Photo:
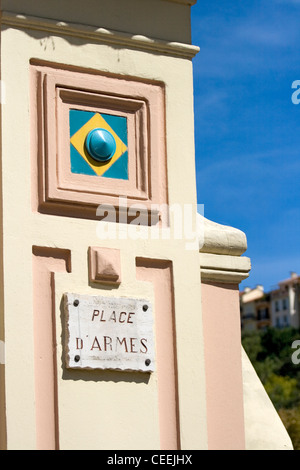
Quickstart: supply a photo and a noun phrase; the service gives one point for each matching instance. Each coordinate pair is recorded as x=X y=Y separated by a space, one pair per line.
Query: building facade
x=248 y=302
x=278 y=308
x=284 y=303
x=117 y=331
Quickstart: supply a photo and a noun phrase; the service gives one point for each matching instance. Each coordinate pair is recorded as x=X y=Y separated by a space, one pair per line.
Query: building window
x=262 y=314
x=284 y=304
x=286 y=320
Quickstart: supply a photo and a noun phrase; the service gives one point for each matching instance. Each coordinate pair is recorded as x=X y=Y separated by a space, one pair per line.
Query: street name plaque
x=109 y=333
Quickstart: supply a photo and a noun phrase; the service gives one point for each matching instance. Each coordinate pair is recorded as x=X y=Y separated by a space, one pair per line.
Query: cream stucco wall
x=104 y=410
x=163 y=19
x=264 y=429
x=148 y=40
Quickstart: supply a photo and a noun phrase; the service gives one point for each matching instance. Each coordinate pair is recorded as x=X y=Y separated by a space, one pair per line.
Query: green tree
x=268 y=367
x=291 y=420
x=282 y=391
x=252 y=344
x=270 y=352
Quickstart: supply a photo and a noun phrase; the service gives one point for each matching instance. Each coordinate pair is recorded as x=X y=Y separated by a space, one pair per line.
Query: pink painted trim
x=160 y=273
x=131 y=188
x=46 y=261
x=224 y=385
x=104 y=265
x=54 y=92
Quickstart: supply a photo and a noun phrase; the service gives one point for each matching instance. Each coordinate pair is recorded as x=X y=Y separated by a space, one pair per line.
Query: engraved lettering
x=121 y=342
x=132 y=346
x=95 y=314
x=143 y=341
x=120 y=316
x=109 y=333
x=113 y=317
x=129 y=316
x=102 y=313
x=96 y=344
x=107 y=343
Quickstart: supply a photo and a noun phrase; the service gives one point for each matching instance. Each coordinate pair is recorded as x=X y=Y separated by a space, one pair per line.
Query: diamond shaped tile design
x=81 y=123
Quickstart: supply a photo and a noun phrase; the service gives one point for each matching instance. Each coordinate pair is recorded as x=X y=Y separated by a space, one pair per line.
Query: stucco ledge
x=220 y=250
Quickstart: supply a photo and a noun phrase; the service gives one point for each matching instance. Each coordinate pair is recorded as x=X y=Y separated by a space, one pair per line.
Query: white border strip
x=2 y=352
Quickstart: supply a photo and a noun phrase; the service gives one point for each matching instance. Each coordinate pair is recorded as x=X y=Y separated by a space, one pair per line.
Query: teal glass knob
x=100 y=144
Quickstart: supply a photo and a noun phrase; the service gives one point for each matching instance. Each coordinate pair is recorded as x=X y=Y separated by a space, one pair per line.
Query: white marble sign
x=109 y=333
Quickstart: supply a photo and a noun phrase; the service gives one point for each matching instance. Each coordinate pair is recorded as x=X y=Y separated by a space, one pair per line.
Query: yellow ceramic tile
x=78 y=141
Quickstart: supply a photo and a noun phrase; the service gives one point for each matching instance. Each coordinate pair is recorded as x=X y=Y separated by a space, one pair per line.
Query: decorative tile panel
x=77 y=113
x=81 y=123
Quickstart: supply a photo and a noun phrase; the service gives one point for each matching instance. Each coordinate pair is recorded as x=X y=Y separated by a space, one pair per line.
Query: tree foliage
x=270 y=352
x=282 y=391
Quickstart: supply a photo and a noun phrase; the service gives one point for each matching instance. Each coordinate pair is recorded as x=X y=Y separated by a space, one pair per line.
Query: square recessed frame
x=57 y=95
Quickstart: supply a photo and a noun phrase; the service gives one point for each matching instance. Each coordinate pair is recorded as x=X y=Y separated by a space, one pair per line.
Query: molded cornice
x=184 y=2
x=101 y=35
x=220 y=250
x=221 y=239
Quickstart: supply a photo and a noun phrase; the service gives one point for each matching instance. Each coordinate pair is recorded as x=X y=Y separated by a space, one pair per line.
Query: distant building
x=248 y=300
x=278 y=308
x=263 y=314
x=255 y=308
x=285 y=303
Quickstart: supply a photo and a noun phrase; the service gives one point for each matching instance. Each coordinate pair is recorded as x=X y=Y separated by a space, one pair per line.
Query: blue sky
x=247 y=130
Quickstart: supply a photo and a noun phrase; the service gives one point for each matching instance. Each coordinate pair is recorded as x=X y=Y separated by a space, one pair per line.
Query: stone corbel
x=220 y=250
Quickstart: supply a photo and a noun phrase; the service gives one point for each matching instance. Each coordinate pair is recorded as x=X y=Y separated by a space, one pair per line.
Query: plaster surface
x=100 y=399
